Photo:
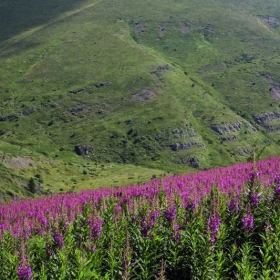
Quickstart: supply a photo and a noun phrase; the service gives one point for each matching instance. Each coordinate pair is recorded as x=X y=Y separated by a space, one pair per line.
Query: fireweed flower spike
x=24 y=273
x=58 y=240
x=214 y=225
x=277 y=191
x=24 y=270
x=248 y=221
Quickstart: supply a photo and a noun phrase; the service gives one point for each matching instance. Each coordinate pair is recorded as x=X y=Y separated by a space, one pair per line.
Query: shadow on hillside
x=19 y=16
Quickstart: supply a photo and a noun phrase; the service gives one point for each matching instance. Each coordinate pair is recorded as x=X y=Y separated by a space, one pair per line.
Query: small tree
x=31 y=185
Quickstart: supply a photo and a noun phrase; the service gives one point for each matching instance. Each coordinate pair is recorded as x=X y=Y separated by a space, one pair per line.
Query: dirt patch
x=24 y=81
x=52 y=162
x=185 y=28
x=267 y=77
x=162 y=30
x=19 y=162
x=144 y=95
x=276 y=92
x=275 y=87
x=271 y=22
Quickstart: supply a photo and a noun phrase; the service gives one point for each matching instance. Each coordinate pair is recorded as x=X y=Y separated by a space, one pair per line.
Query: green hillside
x=134 y=89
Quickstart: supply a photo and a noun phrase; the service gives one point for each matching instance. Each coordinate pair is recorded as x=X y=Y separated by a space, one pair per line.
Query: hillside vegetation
x=218 y=224
x=158 y=86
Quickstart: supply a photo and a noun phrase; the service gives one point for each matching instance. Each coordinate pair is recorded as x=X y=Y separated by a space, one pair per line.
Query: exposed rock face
x=164 y=68
x=265 y=118
x=38 y=188
x=227 y=128
x=76 y=90
x=28 y=112
x=83 y=150
x=9 y=117
x=245 y=151
x=185 y=146
x=194 y=162
x=180 y=139
x=271 y=128
x=209 y=27
x=104 y=84
x=78 y=110
x=229 y=138
x=176 y=133
x=49 y=105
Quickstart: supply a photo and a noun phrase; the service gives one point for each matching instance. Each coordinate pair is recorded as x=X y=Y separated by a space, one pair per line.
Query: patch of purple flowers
x=277 y=191
x=248 y=222
x=214 y=225
x=58 y=240
x=24 y=272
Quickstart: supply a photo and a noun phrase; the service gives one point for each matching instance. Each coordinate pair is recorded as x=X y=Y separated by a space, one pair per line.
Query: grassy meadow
x=145 y=84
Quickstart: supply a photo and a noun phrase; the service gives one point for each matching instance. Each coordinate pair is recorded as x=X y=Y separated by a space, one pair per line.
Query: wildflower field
x=218 y=224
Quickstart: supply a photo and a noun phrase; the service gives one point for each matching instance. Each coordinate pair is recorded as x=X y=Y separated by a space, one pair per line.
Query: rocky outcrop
x=271 y=128
x=78 y=110
x=104 y=84
x=194 y=163
x=76 y=90
x=229 y=138
x=176 y=133
x=227 y=128
x=246 y=151
x=164 y=68
x=28 y=112
x=266 y=117
x=8 y=117
x=185 y=146
x=25 y=113
x=83 y=150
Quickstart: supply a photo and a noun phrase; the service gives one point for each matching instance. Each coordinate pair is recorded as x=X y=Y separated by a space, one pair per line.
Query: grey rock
x=83 y=150
x=76 y=90
x=227 y=128
x=185 y=146
x=194 y=162
x=9 y=117
x=266 y=117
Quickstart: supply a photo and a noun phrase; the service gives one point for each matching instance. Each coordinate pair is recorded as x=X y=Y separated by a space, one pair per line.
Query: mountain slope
x=170 y=86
